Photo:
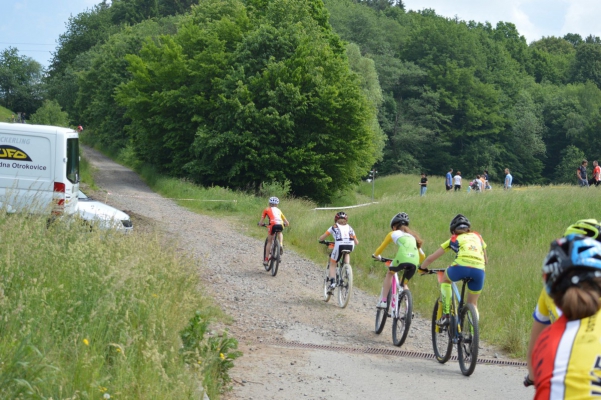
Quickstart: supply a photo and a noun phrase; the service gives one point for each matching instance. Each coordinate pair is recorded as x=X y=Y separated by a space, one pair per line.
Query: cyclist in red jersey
x=567 y=355
x=276 y=222
x=546 y=312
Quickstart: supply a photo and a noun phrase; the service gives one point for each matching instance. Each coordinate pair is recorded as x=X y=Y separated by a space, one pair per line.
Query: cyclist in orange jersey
x=276 y=222
x=567 y=354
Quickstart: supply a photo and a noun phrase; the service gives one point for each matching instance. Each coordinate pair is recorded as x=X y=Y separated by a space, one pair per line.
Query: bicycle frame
x=457 y=304
x=396 y=287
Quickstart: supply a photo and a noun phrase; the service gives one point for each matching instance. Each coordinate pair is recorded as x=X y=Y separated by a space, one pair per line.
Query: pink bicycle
x=399 y=306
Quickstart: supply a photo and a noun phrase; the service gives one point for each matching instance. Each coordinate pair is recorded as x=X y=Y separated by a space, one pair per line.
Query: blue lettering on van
x=25 y=166
x=13 y=153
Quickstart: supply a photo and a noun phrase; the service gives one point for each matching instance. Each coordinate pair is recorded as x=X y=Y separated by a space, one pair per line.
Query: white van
x=39 y=168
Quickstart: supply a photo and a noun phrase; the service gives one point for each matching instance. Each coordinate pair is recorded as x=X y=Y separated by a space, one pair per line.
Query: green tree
x=20 y=81
x=571 y=158
x=587 y=65
x=50 y=113
x=238 y=99
x=103 y=116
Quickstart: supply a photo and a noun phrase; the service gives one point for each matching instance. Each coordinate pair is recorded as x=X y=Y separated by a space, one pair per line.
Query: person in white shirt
x=457 y=181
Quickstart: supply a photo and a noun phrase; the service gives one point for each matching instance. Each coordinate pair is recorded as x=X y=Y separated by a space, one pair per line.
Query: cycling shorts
x=338 y=248
x=273 y=229
x=411 y=268
x=458 y=272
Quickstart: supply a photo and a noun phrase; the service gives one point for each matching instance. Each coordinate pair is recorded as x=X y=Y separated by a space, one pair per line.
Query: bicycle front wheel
x=402 y=320
x=275 y=256
x=326 y=284
x=382 y=314
x=345 y=285
x=441 y=335
x=467 y=347
x=268 y=264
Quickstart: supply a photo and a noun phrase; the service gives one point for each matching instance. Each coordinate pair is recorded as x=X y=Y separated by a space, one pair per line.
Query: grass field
x=517 y=225
x=96 y=315
x=5 y=115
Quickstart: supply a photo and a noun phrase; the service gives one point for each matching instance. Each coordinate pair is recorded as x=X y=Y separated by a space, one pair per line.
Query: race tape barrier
x=344 y=208
x=166 y=198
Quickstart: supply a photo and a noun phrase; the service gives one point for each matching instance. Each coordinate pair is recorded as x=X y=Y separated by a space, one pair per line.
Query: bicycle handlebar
x=381 y=259
x=431 y=271
x=326 y=242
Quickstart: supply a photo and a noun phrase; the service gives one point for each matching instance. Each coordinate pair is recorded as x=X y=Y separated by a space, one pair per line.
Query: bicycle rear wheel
x=326 y=284
x=402 y=321
x=345 y=285
x=268 y=265
x=275 y=256
x=382 y=314
x=441 y=335
x=467 y=347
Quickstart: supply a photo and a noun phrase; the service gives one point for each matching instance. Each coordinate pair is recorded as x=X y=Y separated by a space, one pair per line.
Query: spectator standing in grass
x=596 y=179
x=508 y=180
x=486 y=182
x=457 y=181
x=423 y=184
x=449 y=180
x=13 y=118
x=581 y=173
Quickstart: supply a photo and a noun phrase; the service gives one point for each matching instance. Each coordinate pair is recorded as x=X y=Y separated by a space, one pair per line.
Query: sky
x=33 y=26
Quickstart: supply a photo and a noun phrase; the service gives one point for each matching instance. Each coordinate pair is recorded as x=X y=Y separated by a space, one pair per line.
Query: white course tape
x=164 y=198
x=343 y=208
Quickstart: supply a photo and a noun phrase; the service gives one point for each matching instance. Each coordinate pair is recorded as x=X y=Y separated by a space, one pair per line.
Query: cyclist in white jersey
x=344 y=239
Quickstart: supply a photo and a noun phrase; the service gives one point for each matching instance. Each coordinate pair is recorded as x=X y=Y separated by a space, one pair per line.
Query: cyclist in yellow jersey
x=408 y=256
x=567 y=354
x=546 y=312
x=470 y=262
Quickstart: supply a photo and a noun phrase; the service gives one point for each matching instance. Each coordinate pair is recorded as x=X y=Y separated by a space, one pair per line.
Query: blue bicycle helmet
x=575 y=257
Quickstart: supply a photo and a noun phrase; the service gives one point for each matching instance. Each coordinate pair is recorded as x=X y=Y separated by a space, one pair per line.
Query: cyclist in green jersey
x=408 y=256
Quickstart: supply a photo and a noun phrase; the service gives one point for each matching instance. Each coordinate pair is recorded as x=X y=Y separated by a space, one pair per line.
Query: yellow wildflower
x=222 y=356
x=86 y=342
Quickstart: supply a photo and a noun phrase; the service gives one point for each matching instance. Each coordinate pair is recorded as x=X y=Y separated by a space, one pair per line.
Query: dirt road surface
x=295 y=345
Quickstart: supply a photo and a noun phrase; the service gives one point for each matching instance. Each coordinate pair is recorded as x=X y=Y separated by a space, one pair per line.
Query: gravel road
x=271 y=313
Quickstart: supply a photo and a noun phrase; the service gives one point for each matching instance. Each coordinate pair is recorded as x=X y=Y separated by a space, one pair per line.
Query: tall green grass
x=92 y=314
x=6 y=114
x=517 y=225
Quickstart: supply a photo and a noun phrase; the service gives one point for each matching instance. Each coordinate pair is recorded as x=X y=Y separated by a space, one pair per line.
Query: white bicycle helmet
x=274 y=200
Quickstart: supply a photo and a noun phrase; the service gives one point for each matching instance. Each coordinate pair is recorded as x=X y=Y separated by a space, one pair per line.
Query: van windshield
x=73 y=160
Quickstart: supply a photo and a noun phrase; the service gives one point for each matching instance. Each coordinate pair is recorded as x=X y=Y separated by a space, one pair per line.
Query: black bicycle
x=275 y=255
x=399 y=306
x=462 y=329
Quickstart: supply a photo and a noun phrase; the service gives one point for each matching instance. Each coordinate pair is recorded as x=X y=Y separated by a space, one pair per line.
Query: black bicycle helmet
x=459 y=222
x=401 y=218
x=571 y=260
x=340 y=215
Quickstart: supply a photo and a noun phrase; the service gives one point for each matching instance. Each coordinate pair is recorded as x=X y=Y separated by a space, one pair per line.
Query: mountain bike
x=399 y=306
x=274 y=252
x=343 y=280
x=462 y=329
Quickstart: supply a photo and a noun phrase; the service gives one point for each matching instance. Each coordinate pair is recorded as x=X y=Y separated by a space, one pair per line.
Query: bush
x=50 y=113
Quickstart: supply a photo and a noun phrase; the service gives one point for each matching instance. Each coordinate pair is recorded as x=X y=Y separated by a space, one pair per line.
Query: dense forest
x=240 y=92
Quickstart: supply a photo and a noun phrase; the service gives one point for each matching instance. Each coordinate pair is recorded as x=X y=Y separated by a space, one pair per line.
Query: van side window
x=73 y=160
